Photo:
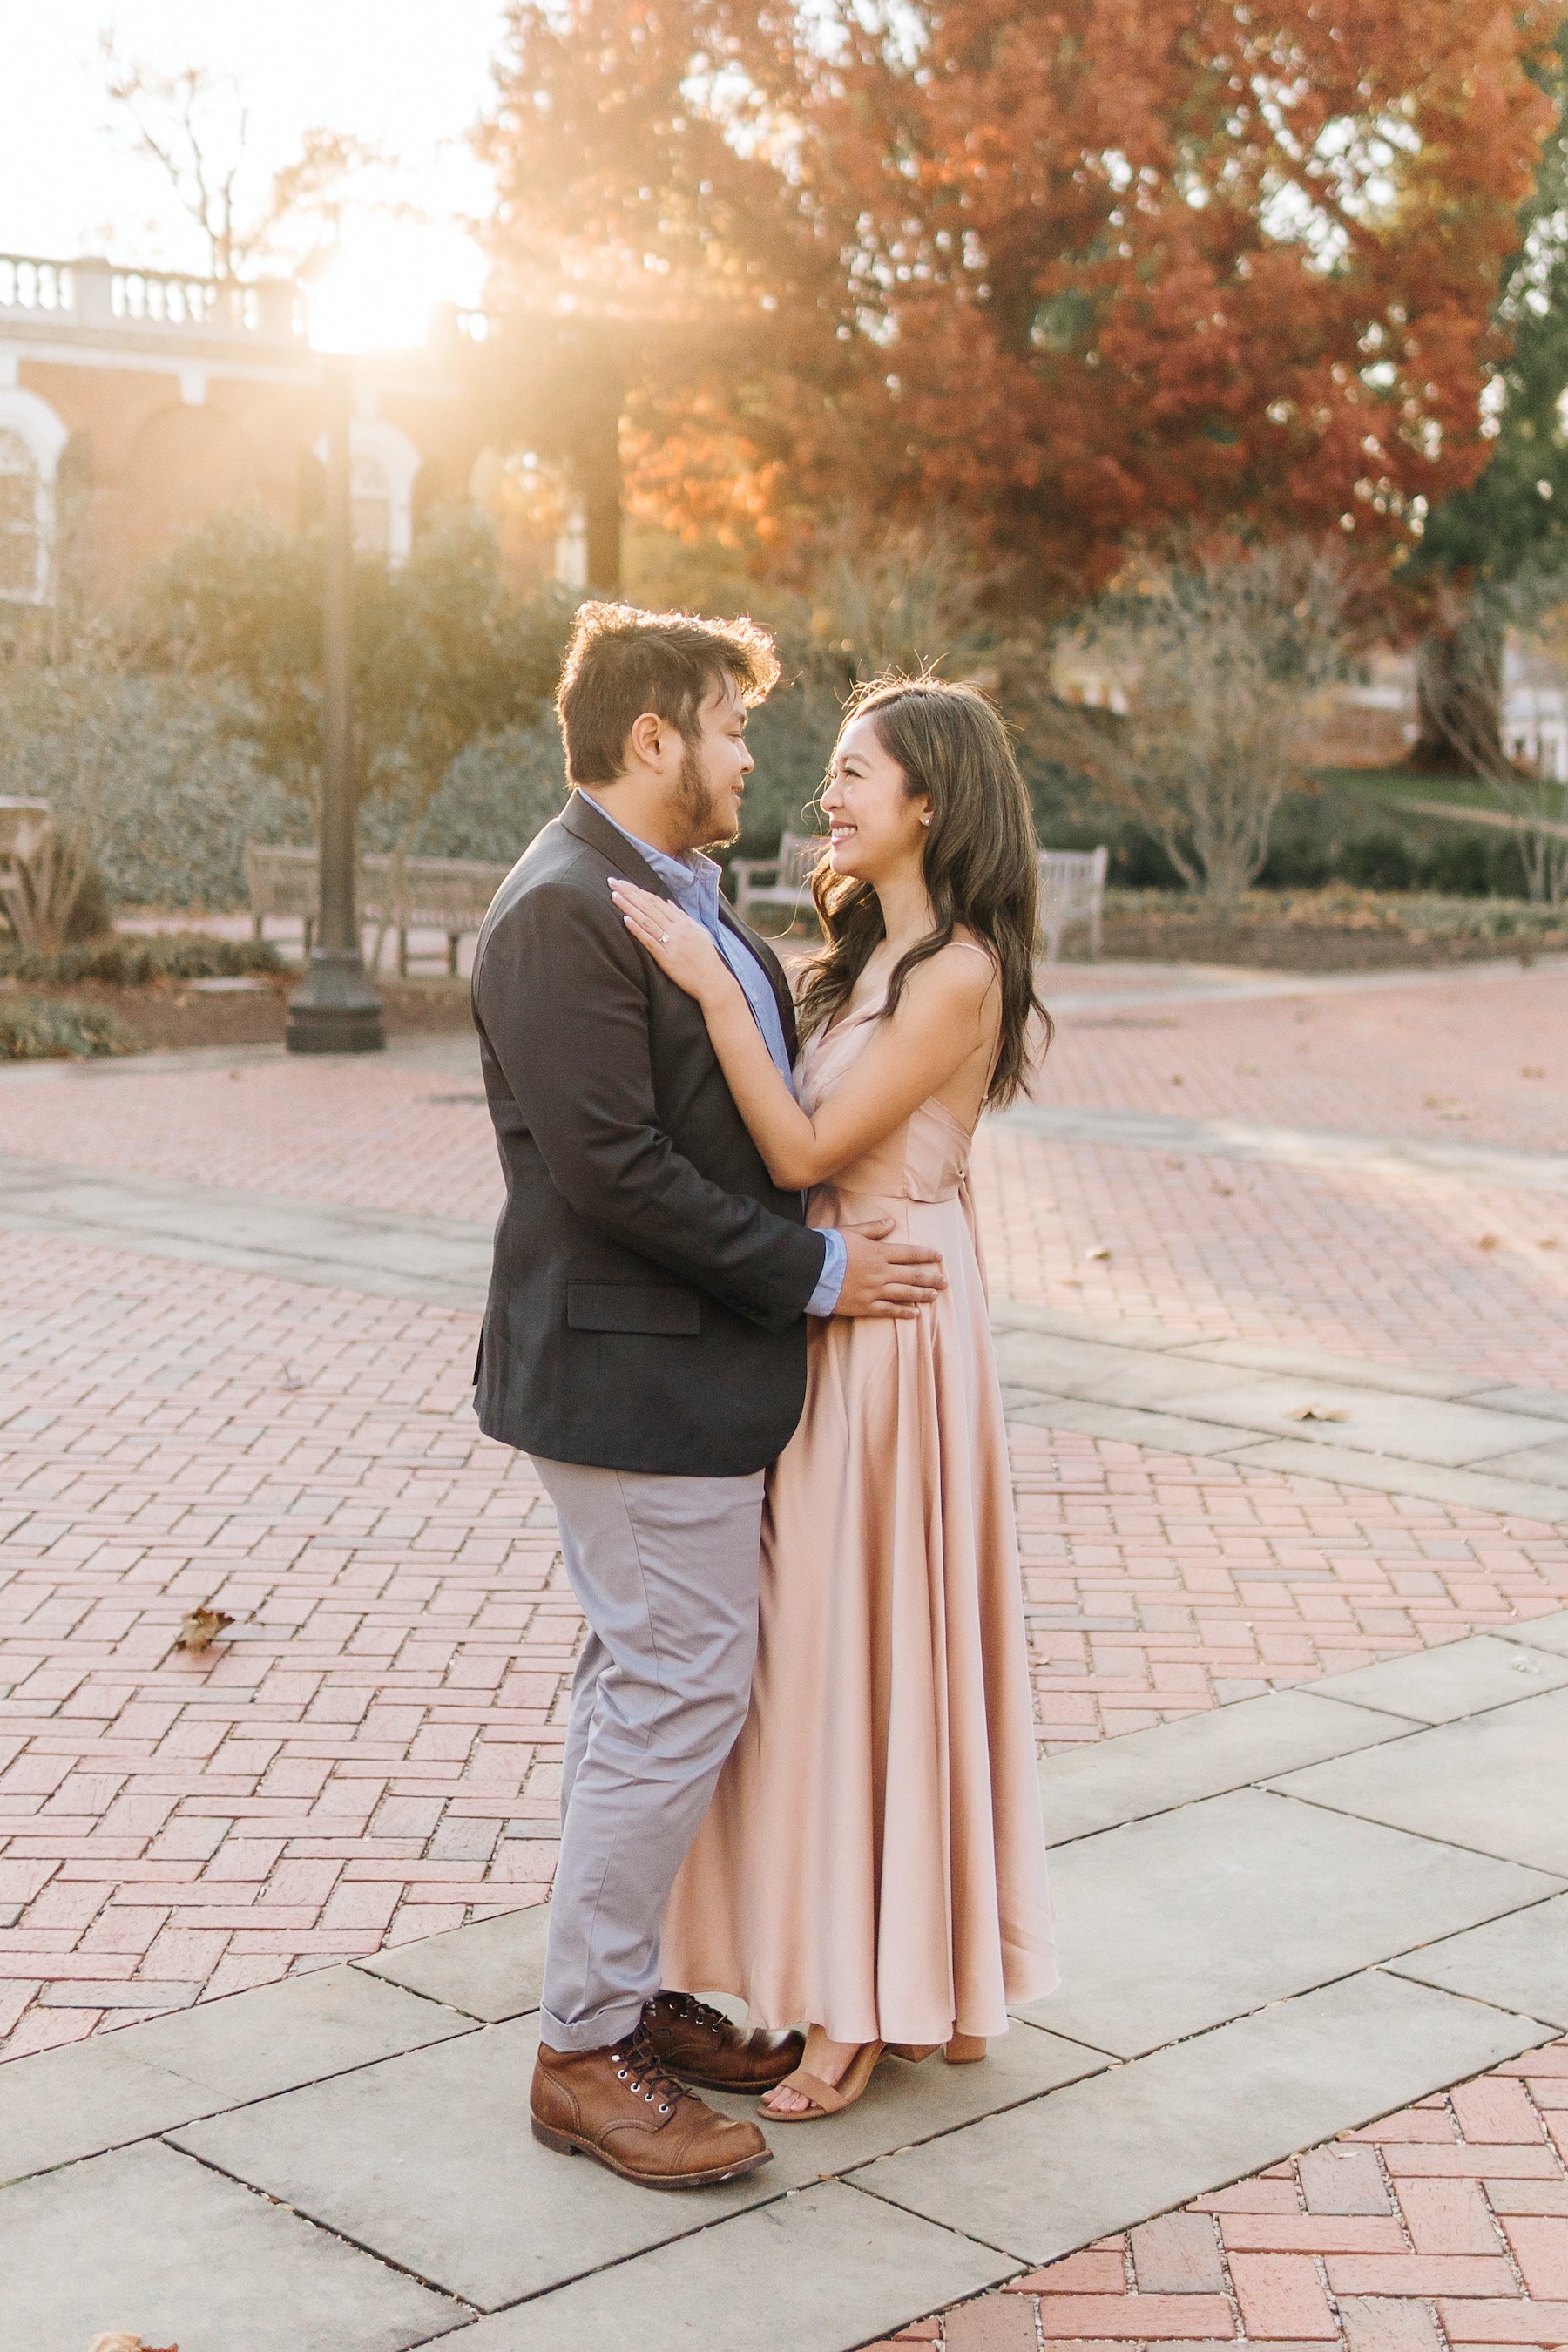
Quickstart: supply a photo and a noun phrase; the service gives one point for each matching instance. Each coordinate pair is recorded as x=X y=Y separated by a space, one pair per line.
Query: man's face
x=714 y=769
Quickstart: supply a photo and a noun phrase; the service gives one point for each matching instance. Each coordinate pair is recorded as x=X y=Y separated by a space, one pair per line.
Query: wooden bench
x=781 y=881
x=1072 y=890
x=436 y=893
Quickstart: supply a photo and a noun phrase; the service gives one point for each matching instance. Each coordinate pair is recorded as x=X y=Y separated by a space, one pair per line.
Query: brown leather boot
x=620 y=2106
x=701 y=2046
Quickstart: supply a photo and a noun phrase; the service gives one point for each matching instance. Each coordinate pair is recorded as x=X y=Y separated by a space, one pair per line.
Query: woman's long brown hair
x=980 y=870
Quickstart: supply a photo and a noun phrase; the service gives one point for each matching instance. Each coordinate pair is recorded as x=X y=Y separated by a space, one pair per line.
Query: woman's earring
x=925 y=820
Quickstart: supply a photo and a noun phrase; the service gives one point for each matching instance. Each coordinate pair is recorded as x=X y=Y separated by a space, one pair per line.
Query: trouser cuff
x=605 y=2027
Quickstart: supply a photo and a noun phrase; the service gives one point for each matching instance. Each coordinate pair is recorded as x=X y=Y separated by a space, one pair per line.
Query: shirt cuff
x=835 y=1266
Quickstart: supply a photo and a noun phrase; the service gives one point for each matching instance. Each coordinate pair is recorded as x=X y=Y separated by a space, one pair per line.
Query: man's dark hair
x=623 y=661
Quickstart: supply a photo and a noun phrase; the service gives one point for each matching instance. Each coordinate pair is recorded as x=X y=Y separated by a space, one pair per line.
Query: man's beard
x=699 y=805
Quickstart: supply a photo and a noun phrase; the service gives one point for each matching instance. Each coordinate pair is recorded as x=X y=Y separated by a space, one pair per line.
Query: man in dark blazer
x=644 y=1342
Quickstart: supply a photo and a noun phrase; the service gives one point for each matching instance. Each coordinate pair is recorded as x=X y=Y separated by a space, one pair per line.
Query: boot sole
x=563 y=2144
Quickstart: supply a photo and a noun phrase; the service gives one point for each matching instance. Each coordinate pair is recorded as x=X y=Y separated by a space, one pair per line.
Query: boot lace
x=694 y=2011
x=638 y=2066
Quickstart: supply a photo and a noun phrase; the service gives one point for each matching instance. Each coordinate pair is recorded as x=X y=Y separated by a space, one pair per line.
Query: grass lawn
x=1388 y=785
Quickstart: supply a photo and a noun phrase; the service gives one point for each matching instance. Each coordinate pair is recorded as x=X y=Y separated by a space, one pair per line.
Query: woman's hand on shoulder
x=684 y=952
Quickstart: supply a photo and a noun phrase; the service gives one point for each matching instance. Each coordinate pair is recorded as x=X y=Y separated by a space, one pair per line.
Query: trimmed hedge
x=126 y=962
x=1338 y=907
x=39 y=1029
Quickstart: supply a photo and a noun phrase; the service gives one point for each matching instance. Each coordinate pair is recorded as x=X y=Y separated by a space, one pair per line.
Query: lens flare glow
x=379 y=289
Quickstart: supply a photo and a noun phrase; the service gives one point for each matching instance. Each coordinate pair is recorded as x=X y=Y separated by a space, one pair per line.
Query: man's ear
x=647 y=738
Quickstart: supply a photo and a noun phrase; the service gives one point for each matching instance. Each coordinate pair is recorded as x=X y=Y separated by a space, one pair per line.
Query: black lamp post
x=335 y=1010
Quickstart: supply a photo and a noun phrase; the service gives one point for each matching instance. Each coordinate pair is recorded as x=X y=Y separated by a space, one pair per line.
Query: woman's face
x=875 y=827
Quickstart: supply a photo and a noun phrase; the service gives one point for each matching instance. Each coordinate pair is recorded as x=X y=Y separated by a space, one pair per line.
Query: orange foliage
x=1080 y=271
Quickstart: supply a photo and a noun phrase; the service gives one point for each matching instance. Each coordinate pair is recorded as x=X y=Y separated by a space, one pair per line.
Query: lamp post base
x=335 y=1010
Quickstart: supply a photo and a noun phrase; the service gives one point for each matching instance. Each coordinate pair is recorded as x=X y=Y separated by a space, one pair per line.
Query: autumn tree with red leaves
x=1077 y=273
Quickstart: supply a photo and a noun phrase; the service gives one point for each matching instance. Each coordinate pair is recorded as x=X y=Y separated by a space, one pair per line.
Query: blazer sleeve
x=563 y=995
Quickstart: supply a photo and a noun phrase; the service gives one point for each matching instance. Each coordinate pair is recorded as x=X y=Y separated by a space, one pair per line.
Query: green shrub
x=37 y=1029
x=127 y=961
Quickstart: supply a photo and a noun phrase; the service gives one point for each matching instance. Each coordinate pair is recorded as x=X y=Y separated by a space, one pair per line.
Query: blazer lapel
x=588 y=823
x=591 y=824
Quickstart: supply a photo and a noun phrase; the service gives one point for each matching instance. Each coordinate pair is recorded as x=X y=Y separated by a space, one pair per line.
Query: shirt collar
x=691 y=877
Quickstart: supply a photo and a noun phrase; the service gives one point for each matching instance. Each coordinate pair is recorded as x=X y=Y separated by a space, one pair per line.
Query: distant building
x=134 y=402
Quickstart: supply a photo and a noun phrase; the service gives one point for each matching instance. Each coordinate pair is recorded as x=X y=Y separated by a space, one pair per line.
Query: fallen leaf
x=1100 y=1252
x=1317 y=1413
x=1225 y=1191
x=202 y=1627
x=1550 y=1242
x=128 y=2343
x=1176 y=1082
x=1172 y=1161
x=1531 y=1071
x=1488 y=1241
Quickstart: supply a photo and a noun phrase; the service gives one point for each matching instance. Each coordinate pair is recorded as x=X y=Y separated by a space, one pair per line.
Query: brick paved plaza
x=230 y=1373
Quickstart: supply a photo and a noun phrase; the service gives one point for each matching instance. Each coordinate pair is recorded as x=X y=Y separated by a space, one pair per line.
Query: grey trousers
x=665 y=1571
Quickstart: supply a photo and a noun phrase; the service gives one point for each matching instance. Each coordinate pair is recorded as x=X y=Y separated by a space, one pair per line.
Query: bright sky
x=408 y=75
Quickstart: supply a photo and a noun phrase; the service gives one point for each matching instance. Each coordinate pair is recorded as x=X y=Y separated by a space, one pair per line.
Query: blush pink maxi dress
x=873 y=1861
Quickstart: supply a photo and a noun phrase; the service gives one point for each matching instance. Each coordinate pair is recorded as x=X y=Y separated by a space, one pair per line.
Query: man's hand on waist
x=888 y=1277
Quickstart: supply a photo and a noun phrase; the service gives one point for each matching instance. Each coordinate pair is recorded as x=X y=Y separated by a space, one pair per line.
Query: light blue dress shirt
x=692 y=882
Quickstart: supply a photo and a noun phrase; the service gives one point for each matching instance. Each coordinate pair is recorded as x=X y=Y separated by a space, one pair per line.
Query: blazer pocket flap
x=633 y=1306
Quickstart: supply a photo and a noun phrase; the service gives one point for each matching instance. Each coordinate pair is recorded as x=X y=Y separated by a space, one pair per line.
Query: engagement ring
x=664 y=939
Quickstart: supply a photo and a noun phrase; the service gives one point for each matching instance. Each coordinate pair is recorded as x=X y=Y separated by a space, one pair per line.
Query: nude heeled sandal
x=962 y=2050
x=826 y=2098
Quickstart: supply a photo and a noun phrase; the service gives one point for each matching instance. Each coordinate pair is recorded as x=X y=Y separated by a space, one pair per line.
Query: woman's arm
x=943 y=1019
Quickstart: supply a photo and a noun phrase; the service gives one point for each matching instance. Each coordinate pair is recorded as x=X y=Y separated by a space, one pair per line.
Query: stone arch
x=32 y=438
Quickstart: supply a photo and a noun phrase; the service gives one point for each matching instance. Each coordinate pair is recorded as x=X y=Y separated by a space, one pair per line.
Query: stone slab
x=1166 y=1432
x=1100 y=1786
x=492 y=1970
x=443 y=1259
x=429 y=2160
x=84 y=2098
x=91 y=2096
x=1493 y=1783
x=1457 y=1678
x=148 y=2242
x=1449 y=1435
x=1298 y=1147
x=1174 y=1925
x=1552 y=1404
x=812 y=2272
x=1547 y=1463
x=907 y=2104
x=1382 y=1420
x=1101 y=2155
x=1519 y=1963
x=1540 y=1633
x=1359 y=1373
x=1397 y=1474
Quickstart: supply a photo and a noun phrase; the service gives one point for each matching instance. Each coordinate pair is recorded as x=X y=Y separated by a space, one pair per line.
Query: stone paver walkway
x=1444 y=2224
x=344 y=2160
x=239 y=1373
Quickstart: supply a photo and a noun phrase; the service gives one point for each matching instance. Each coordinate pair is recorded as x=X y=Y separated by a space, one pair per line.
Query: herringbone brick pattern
x=1438 y=2228
x=372 y=1754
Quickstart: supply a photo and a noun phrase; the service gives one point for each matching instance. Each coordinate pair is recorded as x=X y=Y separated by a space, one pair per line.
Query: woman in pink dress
x=873 y=1862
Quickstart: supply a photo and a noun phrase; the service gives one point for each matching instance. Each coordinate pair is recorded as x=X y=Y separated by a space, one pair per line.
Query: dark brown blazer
x=650 y=1280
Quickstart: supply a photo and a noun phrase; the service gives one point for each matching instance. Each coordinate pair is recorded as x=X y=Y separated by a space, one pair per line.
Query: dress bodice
x=927 y=1158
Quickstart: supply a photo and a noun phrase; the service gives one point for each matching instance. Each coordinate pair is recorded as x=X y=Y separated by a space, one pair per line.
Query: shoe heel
x=556 y=2140
x=965 y=2050
x=915 y=2052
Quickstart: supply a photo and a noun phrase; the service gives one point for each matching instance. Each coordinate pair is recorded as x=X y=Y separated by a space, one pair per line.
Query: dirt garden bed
x=1332 y=930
